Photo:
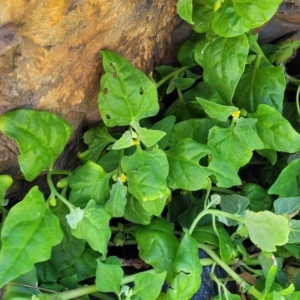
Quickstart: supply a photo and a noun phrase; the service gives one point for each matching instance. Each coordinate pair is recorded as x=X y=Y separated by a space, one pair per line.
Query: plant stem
x=253 y=291
x=173 y=74
x=212 y=212
x=91 y=289
x=259 y=51
x=208 y=190
x=72 y=294
x=58 y=195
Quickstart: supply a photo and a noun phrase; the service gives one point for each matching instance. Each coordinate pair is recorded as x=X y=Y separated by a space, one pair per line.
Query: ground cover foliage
x=217 y=171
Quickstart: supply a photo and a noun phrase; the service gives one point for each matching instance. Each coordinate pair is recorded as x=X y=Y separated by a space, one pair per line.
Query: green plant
x=180 y=183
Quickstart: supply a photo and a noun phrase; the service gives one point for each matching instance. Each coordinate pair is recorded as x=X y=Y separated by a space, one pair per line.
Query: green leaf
x=185 y=53
x=183 y=83
x=234 y=204
x=185 y=171
x=126 y=94
x=236 y=17
x=226 y=247
x=146 y=174
x=259 y=197
x=215 y=110
x=5 y=182
x=40 y=135
x=94 y=227
x=145 y=185
x=202 y=16
x=258 y=11
x=148 y=286
x=109 y=276
x=110 y=162
x=97 y=138
x=86 y=264
x=89 y=181
x=185 y=219
x=158 y=245
x=46 y=272
x=223 y=63
x=21 y=249
x=206 y=234
x=196 y=129
x=286 y=184
x=224 y=174
x=245 y=129
x=275 y=131
x=166 y=125
x=188 y=270
x=185 y=10
x=141 y=212
x=287 y=206
x=125 y=141
x=148 y=137
x=265 y=85
x=229 y=146
x=117 y=201
x=294 y=236
x=266 y=230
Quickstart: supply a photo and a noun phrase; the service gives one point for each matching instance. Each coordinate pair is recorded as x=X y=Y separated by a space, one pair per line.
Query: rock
x=49 y=53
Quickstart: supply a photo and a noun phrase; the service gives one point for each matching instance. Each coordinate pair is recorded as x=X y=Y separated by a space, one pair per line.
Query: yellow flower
x=135 y=142
x=236 y=115
x=123 y=177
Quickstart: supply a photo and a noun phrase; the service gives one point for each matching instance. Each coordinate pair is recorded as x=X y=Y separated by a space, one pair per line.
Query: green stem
x=212 y=212
x=72 y=294
x=208 y=190
x=55 y=192
x=173 y=74
x=253 y=291
x=208 y=262
x=254 y=271
x=180 y=96
x=91 y=289
x=259 y=51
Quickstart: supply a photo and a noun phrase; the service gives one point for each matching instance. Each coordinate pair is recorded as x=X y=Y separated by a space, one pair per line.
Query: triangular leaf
x=126 y=93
